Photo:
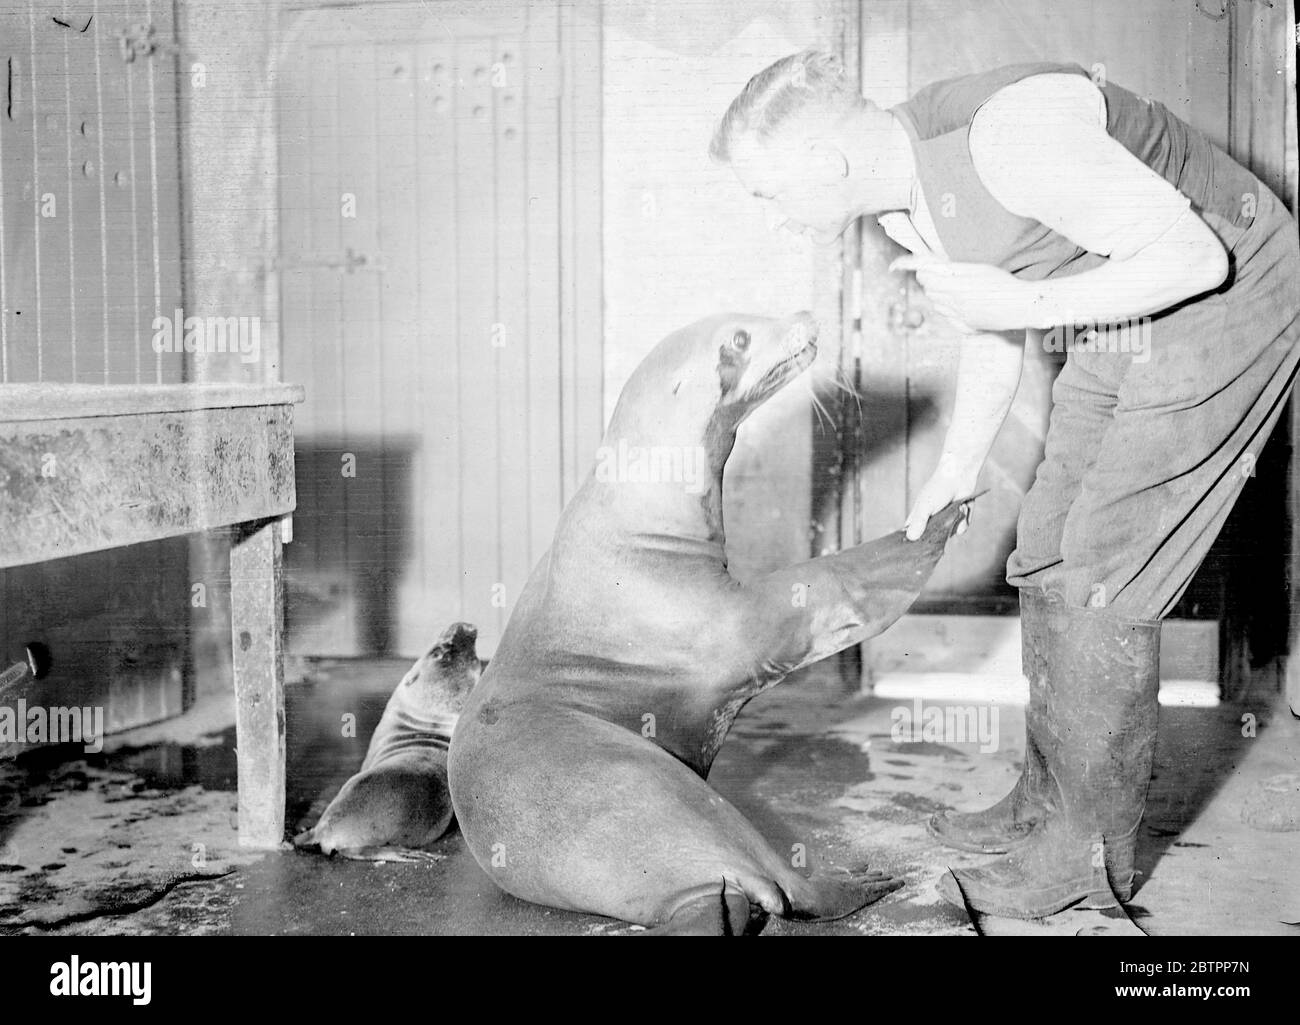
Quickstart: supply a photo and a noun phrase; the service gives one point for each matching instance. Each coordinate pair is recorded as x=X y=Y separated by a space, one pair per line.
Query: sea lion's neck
x=664 y=483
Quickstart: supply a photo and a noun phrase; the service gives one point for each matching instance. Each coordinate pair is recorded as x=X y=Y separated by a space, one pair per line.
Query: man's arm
x=1041 y=148
x=1185 y=261
x=988 y=374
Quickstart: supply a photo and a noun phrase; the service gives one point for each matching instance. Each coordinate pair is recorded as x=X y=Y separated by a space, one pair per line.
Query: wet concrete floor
x=140 y=839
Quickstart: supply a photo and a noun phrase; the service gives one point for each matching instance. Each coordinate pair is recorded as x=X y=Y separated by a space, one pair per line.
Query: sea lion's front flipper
x=718 y=910
x=833 y=894
x=809 y=611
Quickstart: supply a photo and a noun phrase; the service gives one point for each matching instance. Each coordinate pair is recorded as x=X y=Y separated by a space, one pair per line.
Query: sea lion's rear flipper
x=718 y=910
x=834 y=894
x=806 y=612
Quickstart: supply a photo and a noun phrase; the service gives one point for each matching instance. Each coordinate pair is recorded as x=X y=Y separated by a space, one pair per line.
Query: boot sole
x=1089 y=900
x=974 y=848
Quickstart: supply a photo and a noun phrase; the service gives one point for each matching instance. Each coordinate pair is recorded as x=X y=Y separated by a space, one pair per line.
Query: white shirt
x=1041 y=148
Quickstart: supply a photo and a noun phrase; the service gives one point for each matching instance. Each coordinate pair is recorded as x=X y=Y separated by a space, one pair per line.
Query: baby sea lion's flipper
x=390 y=855
x=378 y=853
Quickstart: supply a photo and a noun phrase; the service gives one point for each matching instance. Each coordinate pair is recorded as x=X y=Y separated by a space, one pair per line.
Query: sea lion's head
x=757 y=357
x=709 y=376
x=668 y=441
x=442 y=678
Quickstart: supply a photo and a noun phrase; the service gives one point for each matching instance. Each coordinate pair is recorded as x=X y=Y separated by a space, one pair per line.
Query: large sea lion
x=398 y=803
x=578 y=766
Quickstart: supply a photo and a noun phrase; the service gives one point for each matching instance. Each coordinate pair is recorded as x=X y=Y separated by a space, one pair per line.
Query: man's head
x=801 y=137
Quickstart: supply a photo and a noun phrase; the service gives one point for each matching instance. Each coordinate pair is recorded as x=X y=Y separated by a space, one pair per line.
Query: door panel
x=423 y=307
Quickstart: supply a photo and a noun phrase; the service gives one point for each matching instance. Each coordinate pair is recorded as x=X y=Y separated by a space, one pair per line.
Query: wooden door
x=432 y=161
x=907 y=355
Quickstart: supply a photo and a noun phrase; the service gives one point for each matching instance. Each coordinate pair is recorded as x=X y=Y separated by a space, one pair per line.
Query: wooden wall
x=89 y=255
x=683 y=239
x=517 y=247
x=440 y=300
x=230 y=229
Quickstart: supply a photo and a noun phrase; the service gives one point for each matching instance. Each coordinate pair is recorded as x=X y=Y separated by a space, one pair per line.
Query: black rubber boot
x=1103 y=681
x=1012 y=820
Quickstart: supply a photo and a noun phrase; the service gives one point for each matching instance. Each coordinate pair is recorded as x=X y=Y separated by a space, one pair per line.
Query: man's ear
x=831 y=157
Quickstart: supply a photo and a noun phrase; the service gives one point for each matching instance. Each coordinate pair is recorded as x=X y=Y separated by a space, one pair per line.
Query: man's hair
x=810 y=79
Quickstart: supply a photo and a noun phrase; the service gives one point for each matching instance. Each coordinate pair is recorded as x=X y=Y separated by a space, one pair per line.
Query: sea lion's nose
x=460 y=633
x=802 y=330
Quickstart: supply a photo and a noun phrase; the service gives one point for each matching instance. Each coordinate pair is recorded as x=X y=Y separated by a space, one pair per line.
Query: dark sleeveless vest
x=982 y=230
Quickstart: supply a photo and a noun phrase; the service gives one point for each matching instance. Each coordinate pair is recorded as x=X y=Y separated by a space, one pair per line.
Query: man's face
x=801 y=179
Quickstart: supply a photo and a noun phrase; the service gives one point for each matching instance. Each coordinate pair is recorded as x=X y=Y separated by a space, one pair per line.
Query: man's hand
x=947 y=484
x=974 y=296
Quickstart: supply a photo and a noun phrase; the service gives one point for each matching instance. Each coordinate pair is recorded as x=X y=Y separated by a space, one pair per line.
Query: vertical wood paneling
x=1208 y=51
x=363 y=336
x=20 y=261
x=139 y=173
x=540 y=102
x=55 y=338
x=882 y=470
x=6 y=27
x=514 y=384
x=165 y=177
x=398 y=74
x=98 y=134
x=319 y=354
x=479 y=384
x=582 y=261
x=451 y=379
x=437 y=479
x=86 y=299
x=295 y=115
x=125 y=333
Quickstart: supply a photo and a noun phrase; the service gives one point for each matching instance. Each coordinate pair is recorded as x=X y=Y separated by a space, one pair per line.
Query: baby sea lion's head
x=445 y=674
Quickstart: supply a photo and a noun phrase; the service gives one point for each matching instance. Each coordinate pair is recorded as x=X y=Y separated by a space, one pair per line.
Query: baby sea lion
x=398 y=803
x=578 y=766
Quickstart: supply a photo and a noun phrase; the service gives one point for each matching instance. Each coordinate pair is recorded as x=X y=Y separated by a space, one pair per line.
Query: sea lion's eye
x=740 y=341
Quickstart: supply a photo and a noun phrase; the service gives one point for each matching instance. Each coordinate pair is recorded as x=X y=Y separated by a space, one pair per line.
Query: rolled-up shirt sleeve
x=1041 y=148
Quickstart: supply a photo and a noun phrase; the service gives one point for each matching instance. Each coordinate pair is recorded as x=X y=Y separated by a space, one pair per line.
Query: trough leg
x=256 y=619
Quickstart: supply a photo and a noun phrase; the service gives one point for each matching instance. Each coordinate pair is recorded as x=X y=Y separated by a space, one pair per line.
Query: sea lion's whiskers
x=823 y=414
x=824 y=418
